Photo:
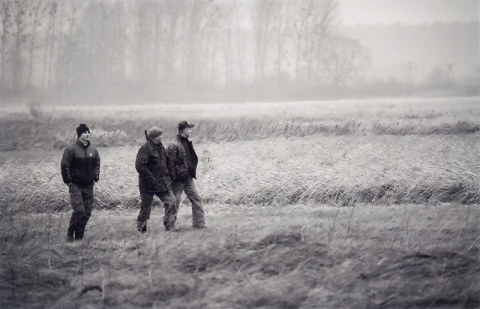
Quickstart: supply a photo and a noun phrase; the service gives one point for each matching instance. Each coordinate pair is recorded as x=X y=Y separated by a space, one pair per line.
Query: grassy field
x=297 y=256
x=309 y=205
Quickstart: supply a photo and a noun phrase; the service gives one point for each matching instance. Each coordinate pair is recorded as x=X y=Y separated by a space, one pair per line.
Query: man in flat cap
x=183 y=164
x=80 y=169
x=154 y=179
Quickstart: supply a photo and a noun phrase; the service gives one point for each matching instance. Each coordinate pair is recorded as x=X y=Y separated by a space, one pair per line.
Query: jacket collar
x=152 y=145
x=79 y=143
x=182 y=138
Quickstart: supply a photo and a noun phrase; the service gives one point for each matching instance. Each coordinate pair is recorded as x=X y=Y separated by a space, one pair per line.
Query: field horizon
x=41 y=126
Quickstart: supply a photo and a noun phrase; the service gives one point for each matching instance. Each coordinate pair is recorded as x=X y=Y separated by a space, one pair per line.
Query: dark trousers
x=169 y=204
x=81 y=199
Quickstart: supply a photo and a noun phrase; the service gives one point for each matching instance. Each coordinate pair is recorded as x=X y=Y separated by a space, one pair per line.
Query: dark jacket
x=152 y=168
x=80 y=164
x=177 y=155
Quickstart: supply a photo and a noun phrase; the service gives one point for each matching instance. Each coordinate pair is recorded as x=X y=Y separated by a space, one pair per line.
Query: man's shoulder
x=71 y=147
x=93 y=148
x=147 y=148
x=174 y=143
x=144 y=147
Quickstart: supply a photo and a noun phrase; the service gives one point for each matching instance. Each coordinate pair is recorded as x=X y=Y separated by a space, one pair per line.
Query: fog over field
x=124 y=52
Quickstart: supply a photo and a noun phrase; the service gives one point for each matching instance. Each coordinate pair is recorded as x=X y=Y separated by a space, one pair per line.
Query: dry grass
x=123 y=125
x=296 y=256
x=337 y=170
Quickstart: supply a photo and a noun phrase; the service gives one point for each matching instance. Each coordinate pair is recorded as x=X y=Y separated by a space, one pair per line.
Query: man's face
x=157 y=140
x=187 y=132
x=84 y=137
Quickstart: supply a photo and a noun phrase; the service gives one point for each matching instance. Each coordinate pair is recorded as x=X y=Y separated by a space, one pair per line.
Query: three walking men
x=165 y=173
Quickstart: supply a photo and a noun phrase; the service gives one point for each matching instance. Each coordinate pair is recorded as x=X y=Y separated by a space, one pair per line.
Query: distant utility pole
x=450 y=78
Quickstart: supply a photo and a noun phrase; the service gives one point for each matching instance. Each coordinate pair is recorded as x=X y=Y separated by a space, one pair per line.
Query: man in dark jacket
x=184 y=161
x=154 y=179
x=80 y=169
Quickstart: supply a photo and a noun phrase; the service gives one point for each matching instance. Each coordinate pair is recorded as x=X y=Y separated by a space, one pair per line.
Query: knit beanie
x=81 y=129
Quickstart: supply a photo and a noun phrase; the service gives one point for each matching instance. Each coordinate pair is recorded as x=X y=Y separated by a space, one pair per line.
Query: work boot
x=169 y=222
x=79 y=234
x=142 y=226
x=169 y=228
x=172 y=229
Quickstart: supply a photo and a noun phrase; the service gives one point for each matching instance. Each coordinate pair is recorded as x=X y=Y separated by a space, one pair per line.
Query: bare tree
x=262 y=21
x=174 y=11
x=323 y=22
x=300 y=15
x=70 y=46
x=241 y=47
x=313 y=21
x=343 y=58
x=231 y=17
x=49 y=43
x=6 y=24
x=281 y=27
x=196 y=24
x=120 y=33
x=158 y=37
x=19 y=29
x=59 y=80
x=36 y=12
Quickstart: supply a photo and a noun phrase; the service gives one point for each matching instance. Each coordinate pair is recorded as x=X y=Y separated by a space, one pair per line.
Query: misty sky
x=408 y=11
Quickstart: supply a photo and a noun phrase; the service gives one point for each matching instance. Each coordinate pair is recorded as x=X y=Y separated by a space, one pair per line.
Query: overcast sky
x=408 y=11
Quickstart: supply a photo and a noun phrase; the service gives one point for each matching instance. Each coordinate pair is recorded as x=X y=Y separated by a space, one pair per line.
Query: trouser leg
x=170 y=205
x=177 y=189
x=145 y=209
x=193 y=194
x=76 y=202
x=87 y=199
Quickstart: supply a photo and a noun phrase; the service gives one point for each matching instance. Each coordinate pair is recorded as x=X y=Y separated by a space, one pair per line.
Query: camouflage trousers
x=191 y=191
x=81 y=200
x=169 y=204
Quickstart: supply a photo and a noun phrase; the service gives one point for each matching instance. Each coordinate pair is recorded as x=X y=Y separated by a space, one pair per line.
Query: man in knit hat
x=183 y=165
x=80 y=168
x=154 y=179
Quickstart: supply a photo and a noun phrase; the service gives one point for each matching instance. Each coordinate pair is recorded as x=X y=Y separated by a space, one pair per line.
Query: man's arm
x=172 y=153
x=97 y=166
x=142 y=167
x=67 y=158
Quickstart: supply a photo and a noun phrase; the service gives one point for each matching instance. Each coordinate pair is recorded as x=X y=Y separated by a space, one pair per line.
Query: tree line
x=165 y=47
